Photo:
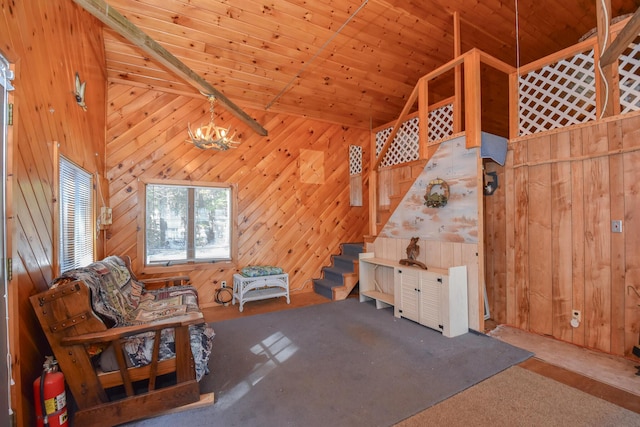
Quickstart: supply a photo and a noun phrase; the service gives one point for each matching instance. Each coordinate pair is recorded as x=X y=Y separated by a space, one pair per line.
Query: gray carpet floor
x=338 y=364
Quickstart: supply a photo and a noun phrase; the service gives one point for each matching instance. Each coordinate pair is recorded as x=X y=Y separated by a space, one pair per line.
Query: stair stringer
x=349 y=280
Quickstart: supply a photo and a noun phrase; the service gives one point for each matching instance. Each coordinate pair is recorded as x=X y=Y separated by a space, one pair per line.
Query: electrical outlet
x=576 y=318
x=575 y=314
x=223 y=284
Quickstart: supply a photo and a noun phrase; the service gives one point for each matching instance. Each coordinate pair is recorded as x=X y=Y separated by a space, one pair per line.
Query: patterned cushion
x=139 y=349
x=162 y=303
x=260 y=270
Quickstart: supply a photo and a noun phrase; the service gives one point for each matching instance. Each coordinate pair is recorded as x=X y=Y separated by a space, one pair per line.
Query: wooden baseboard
x=588 y=385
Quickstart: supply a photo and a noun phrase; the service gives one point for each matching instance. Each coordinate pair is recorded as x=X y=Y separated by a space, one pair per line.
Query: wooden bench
x=98 y=310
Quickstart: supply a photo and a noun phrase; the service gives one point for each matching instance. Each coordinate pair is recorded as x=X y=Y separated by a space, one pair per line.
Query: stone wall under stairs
x=339 y=279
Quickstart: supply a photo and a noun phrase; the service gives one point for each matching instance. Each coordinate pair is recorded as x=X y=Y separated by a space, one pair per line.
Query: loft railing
x=416 y=135
x=560 y=90
x=406 y=144
x=567 y=88
x=417 y=128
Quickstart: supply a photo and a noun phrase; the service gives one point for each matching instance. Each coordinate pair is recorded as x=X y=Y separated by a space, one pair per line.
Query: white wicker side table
x=260 y=287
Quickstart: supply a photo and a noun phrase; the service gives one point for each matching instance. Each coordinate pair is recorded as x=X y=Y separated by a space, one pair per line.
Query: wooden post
x=457 y=100
x=480 y=259
x=423 y=114
x=514 y=105
x=373 y=189
x=473 y=111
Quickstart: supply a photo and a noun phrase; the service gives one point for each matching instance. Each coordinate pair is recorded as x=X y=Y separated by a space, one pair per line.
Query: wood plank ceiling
x=352 y=62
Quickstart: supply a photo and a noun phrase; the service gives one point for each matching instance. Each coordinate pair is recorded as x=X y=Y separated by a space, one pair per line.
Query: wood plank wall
x=550 y=248
x=47 y=42
x=293 y=186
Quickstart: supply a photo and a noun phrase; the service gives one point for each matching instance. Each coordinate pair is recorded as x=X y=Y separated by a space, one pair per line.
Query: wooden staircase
x=339 y=279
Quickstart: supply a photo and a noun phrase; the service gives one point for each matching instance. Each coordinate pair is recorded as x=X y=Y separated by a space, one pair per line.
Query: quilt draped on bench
x=121 y=301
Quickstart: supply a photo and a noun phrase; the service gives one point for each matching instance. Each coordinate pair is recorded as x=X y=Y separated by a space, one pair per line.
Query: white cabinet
x=436 y=298
x=420 y=295
x=408 y=305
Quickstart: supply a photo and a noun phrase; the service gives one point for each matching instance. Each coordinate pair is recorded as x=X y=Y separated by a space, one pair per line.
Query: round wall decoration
x=437 y=199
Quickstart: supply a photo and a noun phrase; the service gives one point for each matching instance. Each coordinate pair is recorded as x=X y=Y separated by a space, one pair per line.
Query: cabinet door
x=409 y=283
x=430 y=300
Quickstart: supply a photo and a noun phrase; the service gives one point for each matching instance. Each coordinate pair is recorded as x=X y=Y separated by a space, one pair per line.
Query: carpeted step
x=344 y=262
x=335 y=273
x=324 y=287
x=352 y=249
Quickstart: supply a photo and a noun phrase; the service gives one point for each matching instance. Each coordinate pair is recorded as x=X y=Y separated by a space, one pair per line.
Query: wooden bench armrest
x=160 y=282
x=117 y=333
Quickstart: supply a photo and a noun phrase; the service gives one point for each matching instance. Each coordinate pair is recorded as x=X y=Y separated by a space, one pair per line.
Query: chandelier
x=210 y=136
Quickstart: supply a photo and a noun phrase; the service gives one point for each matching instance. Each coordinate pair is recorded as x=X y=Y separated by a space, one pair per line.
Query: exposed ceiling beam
x=625 y=36
x=114 y=19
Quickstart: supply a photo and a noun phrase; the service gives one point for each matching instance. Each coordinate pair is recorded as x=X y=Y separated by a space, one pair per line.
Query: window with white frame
x=187 y=223
x=76 y=216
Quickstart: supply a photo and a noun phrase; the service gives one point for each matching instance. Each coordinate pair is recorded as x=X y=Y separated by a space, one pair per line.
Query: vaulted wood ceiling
x=352 y=62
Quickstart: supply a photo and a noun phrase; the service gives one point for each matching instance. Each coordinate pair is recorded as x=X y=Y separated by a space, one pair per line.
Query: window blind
x=76 y=216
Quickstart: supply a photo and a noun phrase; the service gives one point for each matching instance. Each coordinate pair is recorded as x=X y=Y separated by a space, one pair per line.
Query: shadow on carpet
x=338 y=364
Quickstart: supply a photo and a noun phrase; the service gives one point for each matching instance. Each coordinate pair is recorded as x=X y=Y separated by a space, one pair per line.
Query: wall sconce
x=490 y=186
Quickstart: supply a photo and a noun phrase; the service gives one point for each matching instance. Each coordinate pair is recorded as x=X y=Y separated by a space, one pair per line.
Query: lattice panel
x=355 y=160
x=405 y=147
x=629 y=69
x=558 y=95
x=441 y=123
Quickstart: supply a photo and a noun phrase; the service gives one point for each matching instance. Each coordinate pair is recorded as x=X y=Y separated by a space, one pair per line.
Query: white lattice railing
x=558 y=95
x=563 y=93
x=355 y=160
x=406 y=144
x=440 y=122
x=629 y=71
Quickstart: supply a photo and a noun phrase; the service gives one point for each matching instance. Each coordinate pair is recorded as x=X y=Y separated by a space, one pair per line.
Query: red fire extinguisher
x=48 y=391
